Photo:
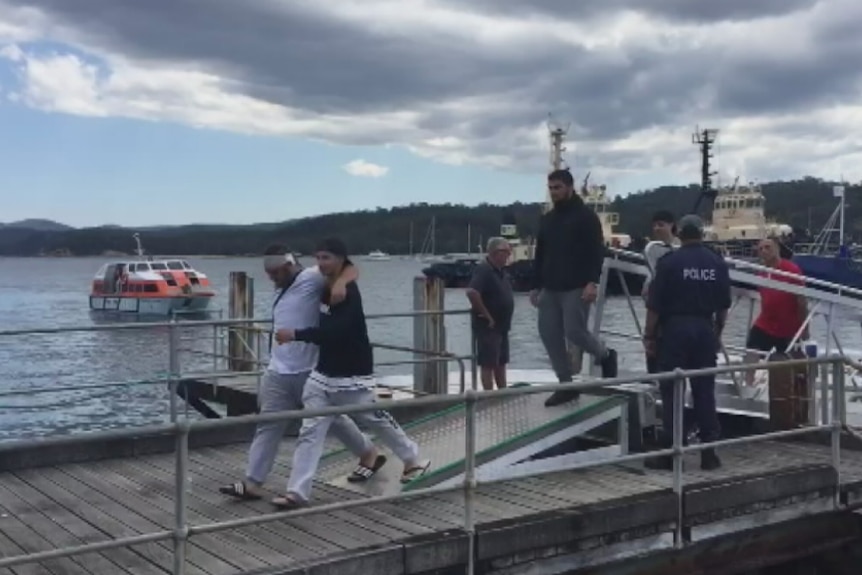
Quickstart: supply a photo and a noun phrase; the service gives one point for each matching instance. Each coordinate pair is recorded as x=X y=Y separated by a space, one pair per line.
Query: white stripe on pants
x=283 y=392
x=309 y=446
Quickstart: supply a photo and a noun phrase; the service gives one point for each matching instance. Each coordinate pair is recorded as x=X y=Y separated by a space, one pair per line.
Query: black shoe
x=561 y=397
x=709 y=461
x=609 y=364
x=659 y=463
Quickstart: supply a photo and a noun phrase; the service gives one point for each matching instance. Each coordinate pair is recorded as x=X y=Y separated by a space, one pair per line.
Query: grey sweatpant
x=309 y=446
x=564 y=316
x=283 y=392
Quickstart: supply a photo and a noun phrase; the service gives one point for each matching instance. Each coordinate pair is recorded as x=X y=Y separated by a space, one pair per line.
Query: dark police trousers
x=689 y=343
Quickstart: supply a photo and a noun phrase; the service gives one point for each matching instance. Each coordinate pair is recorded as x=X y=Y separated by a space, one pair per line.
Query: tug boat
x=149 y=286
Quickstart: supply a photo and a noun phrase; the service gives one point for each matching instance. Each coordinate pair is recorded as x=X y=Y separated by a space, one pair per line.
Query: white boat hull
x=150 y=306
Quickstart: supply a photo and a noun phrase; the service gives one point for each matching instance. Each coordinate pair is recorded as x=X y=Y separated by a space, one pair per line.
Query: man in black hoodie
x=344 y=375
x=570 y=249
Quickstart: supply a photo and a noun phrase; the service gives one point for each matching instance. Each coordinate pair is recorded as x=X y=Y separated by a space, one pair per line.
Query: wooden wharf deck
x=561 y=520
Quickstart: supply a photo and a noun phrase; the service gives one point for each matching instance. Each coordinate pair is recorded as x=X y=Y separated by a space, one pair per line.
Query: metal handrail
x=746 y=266
x=131 y=326
x=182 y=427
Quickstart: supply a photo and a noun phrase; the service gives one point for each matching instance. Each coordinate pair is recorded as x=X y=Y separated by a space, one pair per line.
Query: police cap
x=690 y=227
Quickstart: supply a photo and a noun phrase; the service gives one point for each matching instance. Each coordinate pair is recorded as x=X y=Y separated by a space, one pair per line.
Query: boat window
x=158 y=266
x=186 y=265
x=143 y=267
x=151 y=288
x=175 y=265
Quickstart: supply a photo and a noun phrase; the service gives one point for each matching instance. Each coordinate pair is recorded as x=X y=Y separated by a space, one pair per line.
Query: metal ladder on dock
x=510 y=433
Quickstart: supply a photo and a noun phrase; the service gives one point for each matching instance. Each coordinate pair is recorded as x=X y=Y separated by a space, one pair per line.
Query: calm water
x=39 y=293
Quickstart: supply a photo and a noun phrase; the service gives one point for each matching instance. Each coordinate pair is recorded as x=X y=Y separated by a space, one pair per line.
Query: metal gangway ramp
x=510 y=432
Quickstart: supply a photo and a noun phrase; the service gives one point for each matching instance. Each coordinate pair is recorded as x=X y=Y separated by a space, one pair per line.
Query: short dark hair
x=564 y=176
x=663 y=216
x=275 y=250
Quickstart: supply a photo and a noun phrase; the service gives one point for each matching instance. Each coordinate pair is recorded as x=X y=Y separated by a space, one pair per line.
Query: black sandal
x=239 y=490
x=287 y=503
x=416 y=471
x=363 y=473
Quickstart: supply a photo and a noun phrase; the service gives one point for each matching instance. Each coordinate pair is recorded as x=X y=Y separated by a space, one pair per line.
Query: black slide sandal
x=362 y=473
x=239 y=490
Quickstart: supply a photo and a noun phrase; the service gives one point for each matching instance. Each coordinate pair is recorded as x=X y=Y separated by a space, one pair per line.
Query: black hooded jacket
x=570 y=247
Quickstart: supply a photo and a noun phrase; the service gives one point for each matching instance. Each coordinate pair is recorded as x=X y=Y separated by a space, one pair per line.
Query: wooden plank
x=281 y=470
x=124 y=522
x=65 y=529
x=348 y=534
x=76 y=501
x=150 y=490
x=296 y=542
x=9 y=548
x=227 y=546
x=29 y=541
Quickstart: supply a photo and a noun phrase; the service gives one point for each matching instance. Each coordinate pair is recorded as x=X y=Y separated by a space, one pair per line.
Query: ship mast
x=557 y=135
x=705 y=140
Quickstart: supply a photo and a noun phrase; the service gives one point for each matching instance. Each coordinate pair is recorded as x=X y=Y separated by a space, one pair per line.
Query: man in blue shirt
x=493 y=304
x=688 y=300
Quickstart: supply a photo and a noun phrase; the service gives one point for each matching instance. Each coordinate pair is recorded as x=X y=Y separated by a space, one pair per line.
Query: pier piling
x=429 y=335
x=242 y=351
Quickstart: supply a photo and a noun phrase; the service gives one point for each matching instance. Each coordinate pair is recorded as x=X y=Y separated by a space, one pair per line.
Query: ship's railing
x=260 y=327
x=183 y=530
x=838 y=300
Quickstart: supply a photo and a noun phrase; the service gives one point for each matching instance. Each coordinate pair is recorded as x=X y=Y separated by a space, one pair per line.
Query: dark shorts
x=762 y=341
x=492 y=348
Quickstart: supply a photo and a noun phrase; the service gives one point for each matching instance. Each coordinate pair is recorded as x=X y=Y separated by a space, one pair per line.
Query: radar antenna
x=705 y=139
x=557 y=135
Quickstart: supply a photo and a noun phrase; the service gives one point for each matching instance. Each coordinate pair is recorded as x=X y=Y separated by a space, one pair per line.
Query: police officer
x=689 y=298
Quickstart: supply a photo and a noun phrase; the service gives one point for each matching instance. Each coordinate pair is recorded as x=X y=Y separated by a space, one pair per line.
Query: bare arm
x=348 y=274
x=474 y=292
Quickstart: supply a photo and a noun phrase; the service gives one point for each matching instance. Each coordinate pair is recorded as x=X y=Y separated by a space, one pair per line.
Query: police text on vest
x=699 y=274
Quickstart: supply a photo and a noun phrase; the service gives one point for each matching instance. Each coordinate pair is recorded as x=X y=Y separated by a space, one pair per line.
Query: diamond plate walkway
x=509 y=432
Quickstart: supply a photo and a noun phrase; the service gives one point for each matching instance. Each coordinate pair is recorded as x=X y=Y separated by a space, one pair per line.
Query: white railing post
x=181 y=470
x=678 y=455
x=837 y=424
x=173 y=366
x=470 y=398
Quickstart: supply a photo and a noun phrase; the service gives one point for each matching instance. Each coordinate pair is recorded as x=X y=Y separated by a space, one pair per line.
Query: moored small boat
x=150 y=286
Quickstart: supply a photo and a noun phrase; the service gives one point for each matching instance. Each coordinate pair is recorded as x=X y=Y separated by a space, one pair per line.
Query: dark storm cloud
x=288 y=55
x=703 y=11
x=291 y=56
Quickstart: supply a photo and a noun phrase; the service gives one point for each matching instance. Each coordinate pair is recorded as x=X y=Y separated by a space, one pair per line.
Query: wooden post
x=241 y=341
x=429 y=334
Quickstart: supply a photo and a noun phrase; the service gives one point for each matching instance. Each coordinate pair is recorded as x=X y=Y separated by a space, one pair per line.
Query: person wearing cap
x=663 y=242
x=296 y=303
x=688 y=299
x=343 y=376
x=567 y=264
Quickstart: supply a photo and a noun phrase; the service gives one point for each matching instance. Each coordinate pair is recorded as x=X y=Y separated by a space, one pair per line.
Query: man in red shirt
x=781 y=313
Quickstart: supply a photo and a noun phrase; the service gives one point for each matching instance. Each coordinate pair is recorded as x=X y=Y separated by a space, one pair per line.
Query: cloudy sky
x=173 y=111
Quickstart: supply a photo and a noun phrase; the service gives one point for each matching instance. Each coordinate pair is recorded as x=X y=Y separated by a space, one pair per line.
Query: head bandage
x=275 y=261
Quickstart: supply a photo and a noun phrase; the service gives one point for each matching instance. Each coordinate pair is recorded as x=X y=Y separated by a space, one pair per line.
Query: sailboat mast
x=410 y=241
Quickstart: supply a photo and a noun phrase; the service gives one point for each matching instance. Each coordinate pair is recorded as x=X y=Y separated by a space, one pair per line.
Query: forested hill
x=802 y=203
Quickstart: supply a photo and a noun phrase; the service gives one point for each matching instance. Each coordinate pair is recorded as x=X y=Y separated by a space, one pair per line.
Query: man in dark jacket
x=570 y=249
